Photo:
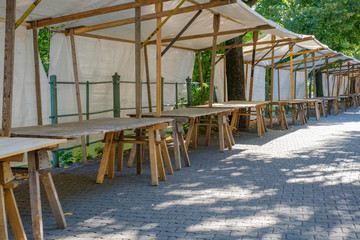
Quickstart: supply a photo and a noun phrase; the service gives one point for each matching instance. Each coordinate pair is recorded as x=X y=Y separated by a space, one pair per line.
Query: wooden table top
x=14 y=146
x=329 y=98
x=235 y=104
x=72 y=130
x=190 y=112
x=295 y=101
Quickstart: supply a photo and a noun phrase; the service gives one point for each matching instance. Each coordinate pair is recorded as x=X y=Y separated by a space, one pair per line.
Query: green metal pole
x=162 y=94
x=189 y=91
x=116 y=94
x=176 y=95
x=54 y=113
x=87 y=108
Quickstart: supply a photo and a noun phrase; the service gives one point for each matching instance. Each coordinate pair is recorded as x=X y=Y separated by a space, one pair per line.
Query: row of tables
x=36 y=141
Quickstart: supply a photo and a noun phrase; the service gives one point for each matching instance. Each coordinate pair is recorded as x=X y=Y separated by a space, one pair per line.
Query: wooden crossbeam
x=95 y=12
x=317 y=58
x=152 y=16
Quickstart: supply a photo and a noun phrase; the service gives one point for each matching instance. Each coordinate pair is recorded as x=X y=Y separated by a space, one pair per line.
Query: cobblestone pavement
x=301 y=183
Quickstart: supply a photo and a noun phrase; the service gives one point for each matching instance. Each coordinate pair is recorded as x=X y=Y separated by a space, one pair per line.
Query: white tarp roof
x=299 y=46
x=242 y=17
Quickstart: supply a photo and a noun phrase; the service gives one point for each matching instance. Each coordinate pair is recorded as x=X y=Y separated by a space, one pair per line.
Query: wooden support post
x=37 y=73
x=3 y=219
x=306 y=78
x=349 y=85
x=273 y=38
x=153 y=157
x=77 y=89
x=246 y=75
x=8 y=68
x=225 y=82
x=314 y=75
x=255 y=39
x=291 y=73
x=216 y=26
x=278 y=83
x=138 y=89
x=200 y=73
x=158 y=9
x=147 y=78
x=327 y=76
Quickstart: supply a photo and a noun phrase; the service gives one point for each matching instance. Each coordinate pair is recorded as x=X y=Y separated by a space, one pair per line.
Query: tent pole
x=246 y=76
x=216 y=26
x=273 y=38
x=138 y=88
x=77 y=89
x=339 y=81
x=327 y=75
x=314 y=75
x=200 y=72
x=8 y=68
x=292 y=82
x=348 y=90
x=225 y=83
x=306 y=78
x=255 y=38
x=147 y=77
x=278 y=85
x=37 y=73
x=158 y=9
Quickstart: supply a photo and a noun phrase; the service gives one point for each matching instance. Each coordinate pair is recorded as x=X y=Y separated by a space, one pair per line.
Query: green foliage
x=99 y=150
x=200 y=97
x=333 y=22
x=65 y=158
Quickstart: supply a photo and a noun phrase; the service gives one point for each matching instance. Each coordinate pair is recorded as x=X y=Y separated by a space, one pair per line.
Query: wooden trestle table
x=193 y=115
x=330 y=102
x=354 y=98
x=13 y=150
x=113 y=128
x=295 y=104
x=244 y=108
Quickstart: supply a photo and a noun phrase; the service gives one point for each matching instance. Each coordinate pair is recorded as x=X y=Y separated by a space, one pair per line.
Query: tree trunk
x=235 y=75
x=319 y=85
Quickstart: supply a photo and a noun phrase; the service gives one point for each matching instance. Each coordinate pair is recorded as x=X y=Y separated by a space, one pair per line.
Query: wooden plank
x=54 y=200
x=138 y=82
x=139 y=153
x=221 y=133
x=15 y=158
x=120 y=162
x=273 y=38
x=131 y=156
x=35 y=200
x=3 y=220
x=216 y=27
x=73 y=130
x=327 y=76
x=190 y=132
x=12 y=212
x=160 y=163
x=291 y=73
x=77 y=89
x=111 y=162
x=8 y=68
x=166 y=156
x=200 y=71
x=306 y=78
x=151 y=16
x=96 y=12
x=105 y=157
x=158 y=10
x=153 y=158
x=37 y=74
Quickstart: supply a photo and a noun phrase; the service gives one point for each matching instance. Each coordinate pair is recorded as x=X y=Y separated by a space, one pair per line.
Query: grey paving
x=303 y=183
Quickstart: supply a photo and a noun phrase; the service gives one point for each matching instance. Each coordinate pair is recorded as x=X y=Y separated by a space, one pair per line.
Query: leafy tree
x=335 y=23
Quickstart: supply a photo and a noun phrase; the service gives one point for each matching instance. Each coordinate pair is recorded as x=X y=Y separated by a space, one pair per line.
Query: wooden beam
x=8 y=67
x=26 y=13
x=216 y=27
x=181 y=32
x=306 y=77
x=282 y=42
x=287 y=54
x=291 y=72
x=148 y=86
x=96 y=12
x=272 y=72
x=327 y=76
x=255 y=39
x=158 y=10
x=151 y=16
x=271 y=49
x=225 y=82
x=37 y=74
x=348 y=92
x=205 y=35
x=241 y=37
x=317 y=58
x=138 y=88
x=77 y=89
x=200 y=72
x=314 y=75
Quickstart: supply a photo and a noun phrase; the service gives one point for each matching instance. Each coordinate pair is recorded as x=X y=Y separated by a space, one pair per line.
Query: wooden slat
x=138 y=83
x=105 y=157
x=158 y=10
x=153 y=158
x=8 y=68
x=147 y=72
